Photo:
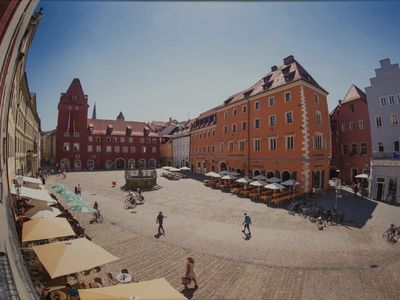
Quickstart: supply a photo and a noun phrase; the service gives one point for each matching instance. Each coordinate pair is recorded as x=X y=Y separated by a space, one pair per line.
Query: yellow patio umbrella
x=42 y=212
x=46 y=228
x=63 y=258
x=151 y=289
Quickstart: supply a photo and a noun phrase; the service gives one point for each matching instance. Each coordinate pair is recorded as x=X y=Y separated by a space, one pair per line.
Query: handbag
x=186 y=280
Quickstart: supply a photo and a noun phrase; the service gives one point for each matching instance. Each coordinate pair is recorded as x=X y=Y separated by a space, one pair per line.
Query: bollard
x=113 y=183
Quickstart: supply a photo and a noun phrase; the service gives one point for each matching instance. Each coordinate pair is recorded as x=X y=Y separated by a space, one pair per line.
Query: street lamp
x=19 y=181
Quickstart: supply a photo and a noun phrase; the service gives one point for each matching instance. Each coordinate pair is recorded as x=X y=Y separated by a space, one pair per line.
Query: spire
x=121 y=116
x=94 y=111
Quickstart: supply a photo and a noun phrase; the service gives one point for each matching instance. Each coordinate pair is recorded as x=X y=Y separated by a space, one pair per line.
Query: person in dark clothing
x=159 y=221
x=246 y=223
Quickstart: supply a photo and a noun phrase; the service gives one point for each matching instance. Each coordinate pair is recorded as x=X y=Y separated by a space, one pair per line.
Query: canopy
x=82 y=208
x=234 y=173
x=185 y=169
x=228 y=177
x=26 y=192
x=224 y=172
x=172 y=169
x=244 y=180
x=213 y=174
x=31 y=179
x=365 y=176
x=273 y=180
x=63 y=258
x=144 y=290
x=42 y=212
x=59 y=188
x=46 y=228
x=274 y=186
x=260 y=177
x=165 y=168
x=290 y=182
x=258 y=183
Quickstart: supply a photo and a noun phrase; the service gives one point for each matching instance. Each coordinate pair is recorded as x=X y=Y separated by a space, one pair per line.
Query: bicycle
x=391 y=233
x=130 y=202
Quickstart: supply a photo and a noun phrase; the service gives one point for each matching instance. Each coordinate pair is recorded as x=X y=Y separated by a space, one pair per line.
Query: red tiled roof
x=119 y=127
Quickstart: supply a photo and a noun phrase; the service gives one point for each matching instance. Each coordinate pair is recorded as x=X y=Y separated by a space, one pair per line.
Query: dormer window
x=128 y=130
x=268 y=85
x=247 y=93
x=109 y=129
x=286 y=70
x=227 y=101
x=74 y=98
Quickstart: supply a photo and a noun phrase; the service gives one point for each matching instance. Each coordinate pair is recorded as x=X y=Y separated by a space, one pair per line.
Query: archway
x=131 y=163
x=109 y=164
x=77 y=164
x=90 y=165
x=204 y=167
x=270 y=174
x=317 y=182
x=285 y=175
x=256 y=173
x=222 y=166
x=64 y=164
x=120 y=163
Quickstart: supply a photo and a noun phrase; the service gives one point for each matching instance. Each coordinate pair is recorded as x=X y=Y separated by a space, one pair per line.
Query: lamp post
x=338 y=190
x=19 y=181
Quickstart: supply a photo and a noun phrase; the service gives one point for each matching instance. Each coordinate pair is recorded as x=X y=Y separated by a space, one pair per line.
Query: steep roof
x=75 y=88
x=289 y=72
x=119 y=127
x=354 y=93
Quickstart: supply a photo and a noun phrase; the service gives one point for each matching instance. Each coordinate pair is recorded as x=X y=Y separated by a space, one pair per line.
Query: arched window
x=142 y=163
x=270 y=174
x=256 y=173
x=120 y=163
x=222 y=166
x=109 y=164
x=90 y=165
x=64 y=164
x=285 y=175
x=204 y=167
x=131 y=163
x=77 y=164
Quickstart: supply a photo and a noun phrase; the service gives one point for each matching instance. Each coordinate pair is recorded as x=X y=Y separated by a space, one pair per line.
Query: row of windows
x=352 y=125
x=352 y=150
x=270 y=102
x=116 y=149
x=318 y=143
x=396 y=146
x=203 y=134
x=393 y=119
x=123 y=139
x=389 y=100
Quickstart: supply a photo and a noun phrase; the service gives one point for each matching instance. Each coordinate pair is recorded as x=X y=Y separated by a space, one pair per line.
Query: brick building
x=84 y=143
x=277 y=127
x=351 y=136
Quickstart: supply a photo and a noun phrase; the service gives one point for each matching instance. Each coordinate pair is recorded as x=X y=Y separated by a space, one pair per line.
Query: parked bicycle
x=392 y=234
x=97 y=217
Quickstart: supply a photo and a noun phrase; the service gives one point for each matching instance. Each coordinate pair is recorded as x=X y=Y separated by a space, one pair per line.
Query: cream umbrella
x=258 y=183
x=42 y=212
x=234 y=173
x=165 y=168
x=245 y=180
x=292 y=183
x=63 y=258
x=228 y=177
x=184 y=169
x=213 y=174
x=260 y=177
x=273 y=180
x=364 y=176
x=223 y=173
x=144 y=290
x=172 y=169
x=46 y=228
x=274 y=186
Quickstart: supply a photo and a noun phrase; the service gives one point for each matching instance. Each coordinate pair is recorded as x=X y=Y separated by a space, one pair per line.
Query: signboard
x=396 y=155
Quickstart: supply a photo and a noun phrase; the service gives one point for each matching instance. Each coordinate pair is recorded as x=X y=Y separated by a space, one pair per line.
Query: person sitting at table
x=111 y=279
x=42 y=291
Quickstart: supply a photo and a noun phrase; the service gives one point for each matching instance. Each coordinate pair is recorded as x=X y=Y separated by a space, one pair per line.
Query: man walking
x=159 y=221
x=246 y=223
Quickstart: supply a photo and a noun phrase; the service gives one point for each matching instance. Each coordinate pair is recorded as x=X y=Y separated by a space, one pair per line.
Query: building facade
x=89 y=144
x=351 y=136
x=383 y=96
x=278 y=127
x=48 y=148
x=181 y=148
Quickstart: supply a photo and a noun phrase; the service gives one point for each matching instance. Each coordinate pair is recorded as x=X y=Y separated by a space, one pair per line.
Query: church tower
x=72 y=131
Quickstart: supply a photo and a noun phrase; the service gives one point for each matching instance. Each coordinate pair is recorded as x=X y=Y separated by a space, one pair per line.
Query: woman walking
x=190 y=274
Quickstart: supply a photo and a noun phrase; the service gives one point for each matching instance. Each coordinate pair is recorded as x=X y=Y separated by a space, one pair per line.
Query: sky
x=158 y=60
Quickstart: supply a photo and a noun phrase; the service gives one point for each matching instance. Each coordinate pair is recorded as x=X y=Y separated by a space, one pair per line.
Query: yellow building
x=48 y=148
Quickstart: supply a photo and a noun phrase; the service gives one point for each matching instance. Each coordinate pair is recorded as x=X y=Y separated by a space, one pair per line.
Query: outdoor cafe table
x=123 y=277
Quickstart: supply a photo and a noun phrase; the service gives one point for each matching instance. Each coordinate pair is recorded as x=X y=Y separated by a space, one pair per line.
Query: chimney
x=170 y=119
x=288 y=60
x=340 y=102
x=274 y=68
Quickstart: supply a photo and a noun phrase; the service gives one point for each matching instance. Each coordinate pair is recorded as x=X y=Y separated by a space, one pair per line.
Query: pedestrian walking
x=79 y=189
x=190 y=274
x=159 y=221
x=76 y=190
x=246 y=223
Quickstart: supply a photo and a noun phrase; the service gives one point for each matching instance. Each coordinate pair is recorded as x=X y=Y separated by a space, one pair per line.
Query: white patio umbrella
x=274 y=186
x=172 y=169
x=228 y=177
x=244 y=180
x=364 y=176
x=224 y=172
x=165 y=168
x=260 y=177
x=213 y=174
x=292 y=183
x=184 y=169
x=273 y=180
x=258 y=183
x=234 y=173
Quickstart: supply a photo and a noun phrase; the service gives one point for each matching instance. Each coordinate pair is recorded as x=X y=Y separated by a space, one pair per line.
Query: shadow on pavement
x=357 y=210
x=188 y=293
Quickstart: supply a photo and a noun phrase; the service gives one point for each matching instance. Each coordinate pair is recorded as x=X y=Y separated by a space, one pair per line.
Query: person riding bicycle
x=131 y=198
x=139 y=195
x=96 y=206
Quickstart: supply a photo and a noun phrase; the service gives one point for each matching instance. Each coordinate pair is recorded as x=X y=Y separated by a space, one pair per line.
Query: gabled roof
x=75 y=88
x=119 y=127
x=354 y=93
x=289 y=72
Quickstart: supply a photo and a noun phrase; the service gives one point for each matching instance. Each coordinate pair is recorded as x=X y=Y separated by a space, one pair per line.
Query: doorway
x=380 y=187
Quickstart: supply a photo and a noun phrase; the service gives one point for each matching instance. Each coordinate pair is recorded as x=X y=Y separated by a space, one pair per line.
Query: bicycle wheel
x=100 y=218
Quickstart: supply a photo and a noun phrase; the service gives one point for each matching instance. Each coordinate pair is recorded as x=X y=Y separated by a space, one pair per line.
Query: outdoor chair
x=125 y=271
x=111 y=279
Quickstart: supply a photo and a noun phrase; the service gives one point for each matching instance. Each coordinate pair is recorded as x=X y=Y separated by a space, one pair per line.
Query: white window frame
x=234 y=112
x=230 y=146
x=66 y=147
x=286 y=117
x=98 y=148
x=244 y=109
x=382 y=101
x=290 y=96
x=352 y=126
x=269 y=120
x=259 y=123
x=318 y=141
x=271 y=101
x=391 y=97
x=240 y=143
x=257 y=141
x=225 y=129
x=287 y=142
x=376 y=121
x=221 y=147
x=344 y=127
x=245 y=125
x=132 y=148
x=257 y=105
x=361 y=124
x=108 y=149
x=272 y=143
x=117 y=149
x=383 y=146
x=394 y=119
x=225 y=114
x=318 y=117
x=234 y=127
x=89 y=148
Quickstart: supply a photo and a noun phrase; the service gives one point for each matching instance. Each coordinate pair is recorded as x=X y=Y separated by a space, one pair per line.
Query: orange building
x=278 y=127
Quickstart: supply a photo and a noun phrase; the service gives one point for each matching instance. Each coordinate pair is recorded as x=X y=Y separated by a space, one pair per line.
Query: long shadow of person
x=247 y=236
x=157 y=236
x=188 y=292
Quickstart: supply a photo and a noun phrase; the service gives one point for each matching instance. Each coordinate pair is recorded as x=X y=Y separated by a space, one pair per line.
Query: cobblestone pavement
x=287 y=257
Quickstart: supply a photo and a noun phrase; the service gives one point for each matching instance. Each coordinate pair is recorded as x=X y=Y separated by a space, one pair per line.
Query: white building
x=181 y=148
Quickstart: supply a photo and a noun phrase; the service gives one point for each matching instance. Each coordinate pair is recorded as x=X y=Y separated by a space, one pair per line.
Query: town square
x=199 y=150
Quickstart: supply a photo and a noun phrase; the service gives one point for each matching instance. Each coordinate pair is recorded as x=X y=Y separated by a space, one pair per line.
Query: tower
x=94 y=112
x=72 y=132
